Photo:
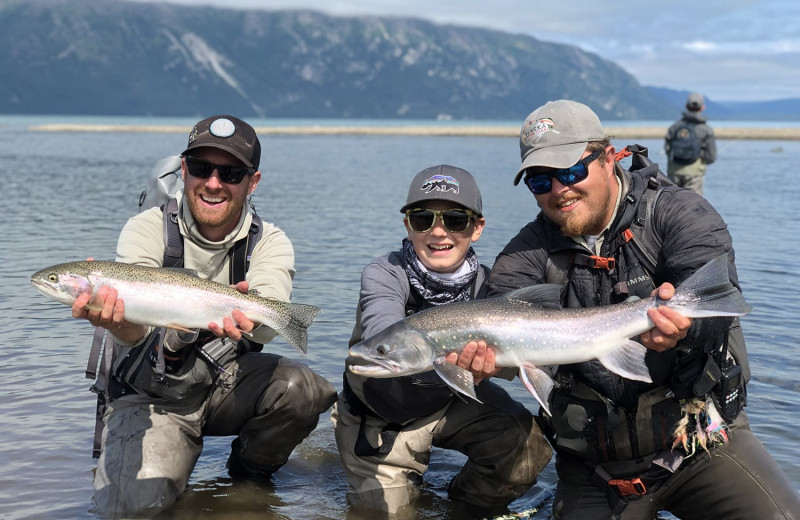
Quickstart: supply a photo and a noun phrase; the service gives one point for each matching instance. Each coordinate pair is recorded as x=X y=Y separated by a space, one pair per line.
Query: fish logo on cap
x=537 y=128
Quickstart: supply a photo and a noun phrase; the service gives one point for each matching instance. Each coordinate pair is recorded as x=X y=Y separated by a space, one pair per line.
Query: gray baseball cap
x=445 y=182
x=695 y=102
x=555 y=135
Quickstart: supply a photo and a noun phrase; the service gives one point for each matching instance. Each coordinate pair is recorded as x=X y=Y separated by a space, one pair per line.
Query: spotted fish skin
x=173 y=298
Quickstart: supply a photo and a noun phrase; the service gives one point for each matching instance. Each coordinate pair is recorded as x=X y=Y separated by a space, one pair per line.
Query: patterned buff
x=435 y=290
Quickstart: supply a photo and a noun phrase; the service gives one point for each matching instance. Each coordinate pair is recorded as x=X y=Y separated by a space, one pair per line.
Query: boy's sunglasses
x=542 y=182
x=454 y=220
x=227 y=174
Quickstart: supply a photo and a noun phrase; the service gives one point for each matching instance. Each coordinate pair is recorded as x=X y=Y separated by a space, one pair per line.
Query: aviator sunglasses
x=227 y=174
x=542 y=183
x=454 y=220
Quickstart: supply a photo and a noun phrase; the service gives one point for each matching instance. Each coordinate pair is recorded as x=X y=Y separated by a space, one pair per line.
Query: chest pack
x=685 y=146
x=165 y=181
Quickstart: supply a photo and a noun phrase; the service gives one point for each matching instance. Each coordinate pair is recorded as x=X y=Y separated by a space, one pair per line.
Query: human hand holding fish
x=125 y=297
x=107 y=310
x=233 y=327
x=669 y=326
x=478 y=358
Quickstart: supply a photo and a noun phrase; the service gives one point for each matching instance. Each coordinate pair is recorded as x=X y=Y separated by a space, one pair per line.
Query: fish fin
x=456 y=377
x=709 y=292
x=627 y=360
x=181 y=328
x=546 y=295
x=538 y=383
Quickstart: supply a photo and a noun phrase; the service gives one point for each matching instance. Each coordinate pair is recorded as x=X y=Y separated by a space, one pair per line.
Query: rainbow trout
x=173 y=298
x=528 y=336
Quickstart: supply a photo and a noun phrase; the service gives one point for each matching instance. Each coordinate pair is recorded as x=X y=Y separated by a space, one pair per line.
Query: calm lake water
x=69 y=194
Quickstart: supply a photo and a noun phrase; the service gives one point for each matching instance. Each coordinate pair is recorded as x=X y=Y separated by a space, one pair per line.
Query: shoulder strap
x=173 y=240
x=642 y=234
x=242 y=250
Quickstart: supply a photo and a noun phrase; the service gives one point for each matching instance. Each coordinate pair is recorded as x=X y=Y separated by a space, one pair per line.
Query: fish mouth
x=363 y=366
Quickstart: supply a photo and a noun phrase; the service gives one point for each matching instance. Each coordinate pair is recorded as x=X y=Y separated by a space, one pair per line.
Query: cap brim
x=561 y=156
x=223 y=148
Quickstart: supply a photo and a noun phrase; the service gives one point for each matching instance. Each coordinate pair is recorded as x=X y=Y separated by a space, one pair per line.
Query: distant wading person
x=385 y=428
x=155 y=423
x=690 y=146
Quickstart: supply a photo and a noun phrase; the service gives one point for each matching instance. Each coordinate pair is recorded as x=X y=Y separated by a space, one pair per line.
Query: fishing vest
x=400 y=400
x=138 y=369
x=639 y=422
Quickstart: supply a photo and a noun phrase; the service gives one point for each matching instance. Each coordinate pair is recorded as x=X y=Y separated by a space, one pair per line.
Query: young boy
x=385 y=428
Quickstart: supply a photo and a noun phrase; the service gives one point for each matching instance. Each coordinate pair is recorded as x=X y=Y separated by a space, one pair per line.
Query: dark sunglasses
x=454 y=220
x=227 y=174
x=541 y=183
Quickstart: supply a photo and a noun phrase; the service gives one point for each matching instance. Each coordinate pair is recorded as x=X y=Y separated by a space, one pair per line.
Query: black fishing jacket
x=687 y=232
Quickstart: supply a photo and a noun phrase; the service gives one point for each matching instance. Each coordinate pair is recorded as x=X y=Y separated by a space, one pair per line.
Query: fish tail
x=294 y=331
x=709 y=292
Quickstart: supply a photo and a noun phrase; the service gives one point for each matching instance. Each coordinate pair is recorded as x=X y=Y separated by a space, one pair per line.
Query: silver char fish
x=173 y=298
x=529 y=336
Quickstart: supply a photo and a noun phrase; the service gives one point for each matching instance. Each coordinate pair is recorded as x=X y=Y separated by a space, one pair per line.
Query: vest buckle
x=629 y=487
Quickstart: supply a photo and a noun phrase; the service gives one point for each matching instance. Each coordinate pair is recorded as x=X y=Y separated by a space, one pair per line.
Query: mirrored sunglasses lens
x=455 y=221
x=572 y=175
x=539 y=184
x=420 y=221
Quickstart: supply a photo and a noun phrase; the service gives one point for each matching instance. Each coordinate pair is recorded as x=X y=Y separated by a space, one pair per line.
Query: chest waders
x=112 y=376
x=399 y=400
x=602 y=433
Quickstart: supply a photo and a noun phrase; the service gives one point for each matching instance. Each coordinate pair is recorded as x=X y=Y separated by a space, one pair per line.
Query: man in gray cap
x=690 y=146
x=168 y=390
x=385 y=428
x=627 y=449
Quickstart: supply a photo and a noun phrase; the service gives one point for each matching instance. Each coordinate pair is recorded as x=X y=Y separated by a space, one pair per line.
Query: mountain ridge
x=85 y=57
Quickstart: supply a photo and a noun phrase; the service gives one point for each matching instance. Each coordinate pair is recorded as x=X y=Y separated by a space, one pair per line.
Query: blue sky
x=731 y=50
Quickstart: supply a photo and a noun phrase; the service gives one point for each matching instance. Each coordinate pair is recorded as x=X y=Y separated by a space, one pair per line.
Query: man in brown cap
x=168 y=390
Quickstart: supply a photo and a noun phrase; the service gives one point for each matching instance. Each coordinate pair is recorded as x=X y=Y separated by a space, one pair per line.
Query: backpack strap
x=173 y=240
x=101 y=354
x=242 y=250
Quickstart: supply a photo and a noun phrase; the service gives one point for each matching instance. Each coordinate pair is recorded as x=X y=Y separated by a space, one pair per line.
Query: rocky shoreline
x=622 y=132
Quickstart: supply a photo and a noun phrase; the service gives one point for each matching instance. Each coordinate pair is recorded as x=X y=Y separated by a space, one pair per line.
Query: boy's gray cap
x=695 y=101
x=555 y=135
x=445 y=182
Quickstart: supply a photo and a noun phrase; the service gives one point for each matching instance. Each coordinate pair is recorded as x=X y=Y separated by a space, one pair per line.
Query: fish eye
x=382 y=350
x=53 y=277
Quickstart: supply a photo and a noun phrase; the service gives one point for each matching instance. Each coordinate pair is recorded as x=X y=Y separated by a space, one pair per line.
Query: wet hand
x=234 y=327
x=669 y=325
x=478 y=358
x=107 y=310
